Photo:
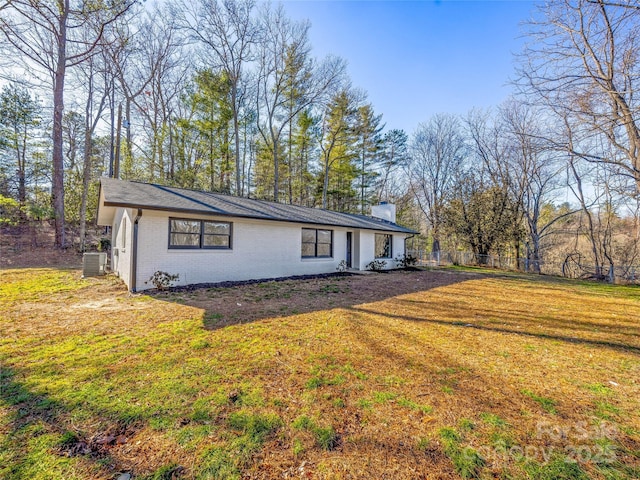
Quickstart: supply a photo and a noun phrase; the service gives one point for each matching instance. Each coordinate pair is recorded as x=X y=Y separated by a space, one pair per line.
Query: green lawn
x=467 y=374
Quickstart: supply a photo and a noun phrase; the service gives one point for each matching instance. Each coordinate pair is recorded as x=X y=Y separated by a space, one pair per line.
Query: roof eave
x=193 y=211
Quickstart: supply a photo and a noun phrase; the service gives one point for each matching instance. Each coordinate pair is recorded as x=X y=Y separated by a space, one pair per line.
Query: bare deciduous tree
x=288 y=81
x=531 y=174
x=582 y=62
x=49 y=35
x=438 y=149
x=95 y=82
x=227 y=33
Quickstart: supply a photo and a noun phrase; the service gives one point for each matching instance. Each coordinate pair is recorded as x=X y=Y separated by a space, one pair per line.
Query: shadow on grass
x=226 y=306
x=247 y=303
x=37 y=426
x=622 y=347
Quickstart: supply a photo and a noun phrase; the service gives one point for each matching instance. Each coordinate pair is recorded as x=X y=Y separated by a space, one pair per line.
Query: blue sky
x=419 y=58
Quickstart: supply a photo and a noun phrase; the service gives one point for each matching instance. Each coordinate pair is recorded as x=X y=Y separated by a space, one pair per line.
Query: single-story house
x=206 y=237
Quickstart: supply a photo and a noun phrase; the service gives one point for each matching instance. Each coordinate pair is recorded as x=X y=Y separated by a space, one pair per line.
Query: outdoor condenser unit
x=94 y=264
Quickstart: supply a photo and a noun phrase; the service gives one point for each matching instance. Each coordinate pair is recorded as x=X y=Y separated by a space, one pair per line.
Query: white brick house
x=208 y=238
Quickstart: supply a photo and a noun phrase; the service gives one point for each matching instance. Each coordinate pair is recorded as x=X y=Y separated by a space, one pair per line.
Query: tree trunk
x=86 y=164
x=535 y=252
x=236 y=132
x=21 y=151
x=276 y=170
x=86 y=179
x=57 y=188
x=325 y=184
x=289 y=159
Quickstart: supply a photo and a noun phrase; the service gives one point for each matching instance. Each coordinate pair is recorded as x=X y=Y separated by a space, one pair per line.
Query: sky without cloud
x=419 y=58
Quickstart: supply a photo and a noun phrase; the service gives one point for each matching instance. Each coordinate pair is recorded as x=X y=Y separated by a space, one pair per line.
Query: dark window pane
x=383 y=246
x=308 y=236
x=308 y=249
x=185 y=226
x=216 y=241
x=185 y=239
x=324 y=249
x=324 y=236
x=219 y=228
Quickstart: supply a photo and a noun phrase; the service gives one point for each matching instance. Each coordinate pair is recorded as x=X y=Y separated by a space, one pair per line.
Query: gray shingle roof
x=121 y=193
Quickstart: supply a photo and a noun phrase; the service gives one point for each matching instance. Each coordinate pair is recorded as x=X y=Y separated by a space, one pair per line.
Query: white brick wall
x=261 y=249
x=367 y=246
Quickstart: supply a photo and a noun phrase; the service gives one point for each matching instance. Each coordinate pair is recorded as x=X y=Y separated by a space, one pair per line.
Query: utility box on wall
x=94 y=264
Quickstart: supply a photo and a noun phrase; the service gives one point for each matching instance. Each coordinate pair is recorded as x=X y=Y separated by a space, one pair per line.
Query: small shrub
x=376 y=265
x=104 y=244
x=9 y=211
x=39 y=212
x=162 y=280
x=405 y=261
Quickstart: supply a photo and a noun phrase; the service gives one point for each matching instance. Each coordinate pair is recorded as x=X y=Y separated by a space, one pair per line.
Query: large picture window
x=383 y=245
x=317 y=243
x=189 y=233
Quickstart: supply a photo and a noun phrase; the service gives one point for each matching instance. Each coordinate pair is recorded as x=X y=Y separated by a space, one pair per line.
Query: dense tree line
x=227 y=96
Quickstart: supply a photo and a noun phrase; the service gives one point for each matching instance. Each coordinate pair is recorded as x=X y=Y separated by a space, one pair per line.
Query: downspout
x=134 y=252
x=405 y=244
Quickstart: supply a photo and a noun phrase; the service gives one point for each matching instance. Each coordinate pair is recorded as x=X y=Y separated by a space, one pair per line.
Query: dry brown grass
x=244 y=381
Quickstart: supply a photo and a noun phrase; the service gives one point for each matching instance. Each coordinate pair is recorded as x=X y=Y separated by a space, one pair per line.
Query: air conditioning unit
x=94 y=264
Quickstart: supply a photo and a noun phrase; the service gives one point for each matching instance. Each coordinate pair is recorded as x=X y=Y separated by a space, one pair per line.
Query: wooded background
x=227 y=96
